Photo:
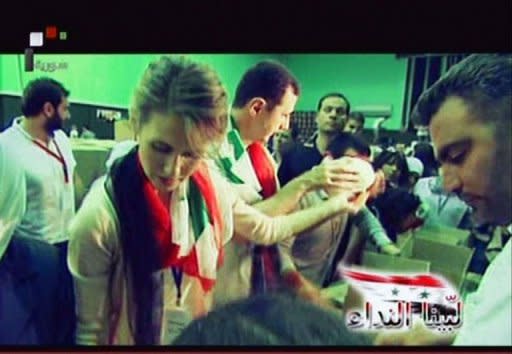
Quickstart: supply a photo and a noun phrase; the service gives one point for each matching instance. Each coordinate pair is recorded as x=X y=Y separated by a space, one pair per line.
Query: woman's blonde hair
x=181 y=87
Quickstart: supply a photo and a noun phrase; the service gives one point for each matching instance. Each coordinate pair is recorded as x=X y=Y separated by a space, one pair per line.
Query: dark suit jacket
x=38 y=304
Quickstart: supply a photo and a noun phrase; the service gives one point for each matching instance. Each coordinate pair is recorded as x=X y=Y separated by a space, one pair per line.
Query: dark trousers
x=62 y=247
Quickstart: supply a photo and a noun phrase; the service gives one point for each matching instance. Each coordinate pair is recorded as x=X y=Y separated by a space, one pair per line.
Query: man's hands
x=306 y=289
x=336 y=174
x=352 y=205
x=390 y=249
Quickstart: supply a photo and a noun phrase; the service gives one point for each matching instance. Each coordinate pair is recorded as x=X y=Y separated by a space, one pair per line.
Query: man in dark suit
x=36 y=298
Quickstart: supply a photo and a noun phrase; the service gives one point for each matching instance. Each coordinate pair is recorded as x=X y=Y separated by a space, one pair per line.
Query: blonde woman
x=148 y=240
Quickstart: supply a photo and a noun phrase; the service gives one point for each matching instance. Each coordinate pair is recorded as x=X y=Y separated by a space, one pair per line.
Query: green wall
x=108 y=79
x=365 y=79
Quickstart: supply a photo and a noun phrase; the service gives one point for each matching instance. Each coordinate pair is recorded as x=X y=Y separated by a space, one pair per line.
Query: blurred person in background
x=425 y=153
x=354 y=123
x=394 y=166
x=415 y=167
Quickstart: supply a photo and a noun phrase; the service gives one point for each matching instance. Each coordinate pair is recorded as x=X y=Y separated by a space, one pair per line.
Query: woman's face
x=390 y=170
x=164 y=151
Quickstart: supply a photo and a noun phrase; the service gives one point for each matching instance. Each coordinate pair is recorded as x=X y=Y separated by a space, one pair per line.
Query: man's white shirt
x=50 y=199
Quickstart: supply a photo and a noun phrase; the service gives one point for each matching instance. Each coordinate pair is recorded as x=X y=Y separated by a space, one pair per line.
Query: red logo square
x=51 y=32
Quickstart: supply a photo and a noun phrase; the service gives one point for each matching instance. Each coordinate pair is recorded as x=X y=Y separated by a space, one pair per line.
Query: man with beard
x=468 y=112
x=38 y=144
x=36 y=297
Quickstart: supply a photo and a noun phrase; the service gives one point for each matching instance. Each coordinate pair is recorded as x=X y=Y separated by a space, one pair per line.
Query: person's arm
x=259 y=228
x=90 y=260
x=371 y=226
x=285 y=254
x=332 y=173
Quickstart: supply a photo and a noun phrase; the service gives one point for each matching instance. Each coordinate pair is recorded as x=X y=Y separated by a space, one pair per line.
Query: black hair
x=333 y=94
x=272 y=319
x=394 y=205
x=269 y=80
x=482 y=80
x=425 y=153
x=357 y=116
x=389 y=157
x=344 y=141
x=40 y=91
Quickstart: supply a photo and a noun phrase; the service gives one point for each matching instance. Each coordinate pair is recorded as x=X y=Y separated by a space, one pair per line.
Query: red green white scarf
x=190 y=235
x=236 y=164
x=253 y=168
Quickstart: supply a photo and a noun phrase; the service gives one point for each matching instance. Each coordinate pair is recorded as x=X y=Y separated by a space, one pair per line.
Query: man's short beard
x=501 y=173
x=53 y=123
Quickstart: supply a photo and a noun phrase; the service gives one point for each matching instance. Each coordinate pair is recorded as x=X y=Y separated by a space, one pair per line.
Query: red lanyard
x=58 y=157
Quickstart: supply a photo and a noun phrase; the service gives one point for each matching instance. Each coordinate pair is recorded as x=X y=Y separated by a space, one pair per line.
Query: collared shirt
x=50 y=195
x=445 y=209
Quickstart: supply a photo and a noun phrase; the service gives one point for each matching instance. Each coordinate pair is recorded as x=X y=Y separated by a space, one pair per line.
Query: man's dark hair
x=269 y=80
x=333 y=94
x=357 y=116
x=393 y=157
x=394 y=205
x=270 y=320
x=38 y=92
x=425 y=153
x=344 y=141
x=483 y=80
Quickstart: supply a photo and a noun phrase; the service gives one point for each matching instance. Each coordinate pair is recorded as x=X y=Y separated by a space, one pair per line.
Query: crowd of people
x=217 y=226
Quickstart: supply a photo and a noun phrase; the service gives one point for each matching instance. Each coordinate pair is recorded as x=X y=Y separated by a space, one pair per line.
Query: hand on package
x=337 y=174
x=307 y=290
x=351 y=204
x=390 y=249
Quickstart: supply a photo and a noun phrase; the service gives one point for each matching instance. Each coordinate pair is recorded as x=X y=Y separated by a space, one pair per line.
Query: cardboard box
x=444 y=234
x=336 y=292
x=450 y=261
x=382 y=262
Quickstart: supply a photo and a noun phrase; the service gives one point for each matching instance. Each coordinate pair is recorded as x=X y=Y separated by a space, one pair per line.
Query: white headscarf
x=415 y=165
x=12 y=197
